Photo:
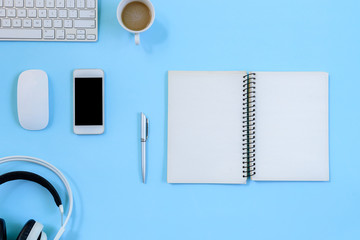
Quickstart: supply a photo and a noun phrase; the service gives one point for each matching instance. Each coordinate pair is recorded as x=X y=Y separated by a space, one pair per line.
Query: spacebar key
x=20 y=33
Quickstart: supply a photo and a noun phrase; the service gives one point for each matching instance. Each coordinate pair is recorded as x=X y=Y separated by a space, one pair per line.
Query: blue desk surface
x=110 y=200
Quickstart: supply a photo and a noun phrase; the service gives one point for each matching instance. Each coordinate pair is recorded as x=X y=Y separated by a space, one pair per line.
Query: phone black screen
x=88 y=101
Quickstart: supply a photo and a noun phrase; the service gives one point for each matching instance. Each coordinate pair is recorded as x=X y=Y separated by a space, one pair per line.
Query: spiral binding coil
x=248 y=135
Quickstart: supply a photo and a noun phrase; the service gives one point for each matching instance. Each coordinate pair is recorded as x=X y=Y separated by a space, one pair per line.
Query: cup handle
x=137 y=38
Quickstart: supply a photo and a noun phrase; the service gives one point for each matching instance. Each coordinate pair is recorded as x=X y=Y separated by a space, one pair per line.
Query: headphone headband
x=21 y=175
x=59 y=174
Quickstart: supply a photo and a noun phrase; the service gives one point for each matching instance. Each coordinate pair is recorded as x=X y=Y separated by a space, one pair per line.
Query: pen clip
x=147 y=128
x=144 y=127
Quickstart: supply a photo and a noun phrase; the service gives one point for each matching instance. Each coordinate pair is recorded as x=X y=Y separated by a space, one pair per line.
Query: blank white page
x=205 y=127
x=292 y=126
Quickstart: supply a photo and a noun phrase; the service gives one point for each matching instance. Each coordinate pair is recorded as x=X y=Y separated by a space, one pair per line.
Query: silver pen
x=144 y=136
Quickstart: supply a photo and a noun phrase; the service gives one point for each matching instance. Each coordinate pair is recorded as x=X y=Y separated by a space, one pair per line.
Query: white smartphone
x=88 y=105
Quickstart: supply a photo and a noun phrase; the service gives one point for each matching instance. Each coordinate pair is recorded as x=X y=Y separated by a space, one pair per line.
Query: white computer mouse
x=33 y=99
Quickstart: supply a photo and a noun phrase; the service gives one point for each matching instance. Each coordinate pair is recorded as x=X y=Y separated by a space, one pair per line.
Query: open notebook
x=224 y=127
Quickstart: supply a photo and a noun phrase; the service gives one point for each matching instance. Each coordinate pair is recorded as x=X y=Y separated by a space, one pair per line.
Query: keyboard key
x=10 y=12
x=42 y=13
x=32 y=13
x=68 y=23
x=57 y=23
x=20 y=33
x=8 y=3
x=40 y=3
x=80 y=37
x=80 y=32
x=60 y=34
x=50 y=3
x=84 y=23
x=37 y=23
x=70 y=36
x=90 y=3
x=49 y=33
x=1 y=3
x=63 y=13
x=91 y=37
x=70 y=3
x=2 y=12
x=87 y=13
x=27 y=23
x=73 y=14
x=47 y=23
x=6 y=23
x=16 y=23
x=21 y=13
x=52 y=13
x=60 y=3
x=29 y=3
x=19 y=3
x=80 y=3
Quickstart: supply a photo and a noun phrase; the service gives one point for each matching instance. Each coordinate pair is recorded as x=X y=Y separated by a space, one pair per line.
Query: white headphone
x=33 y=230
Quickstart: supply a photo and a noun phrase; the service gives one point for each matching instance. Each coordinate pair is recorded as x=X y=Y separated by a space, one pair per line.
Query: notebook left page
x=205 y=127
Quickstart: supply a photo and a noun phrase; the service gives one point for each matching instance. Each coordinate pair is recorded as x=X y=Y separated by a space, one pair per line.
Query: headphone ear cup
x=43 y=236
x=31 y=231
x=2 y=229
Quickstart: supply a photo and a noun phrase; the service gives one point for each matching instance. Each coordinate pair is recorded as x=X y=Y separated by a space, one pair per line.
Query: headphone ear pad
x=2 y=229
x=31 y=231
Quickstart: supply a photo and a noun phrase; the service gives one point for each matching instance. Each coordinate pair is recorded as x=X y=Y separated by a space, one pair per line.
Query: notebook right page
x=292 y=126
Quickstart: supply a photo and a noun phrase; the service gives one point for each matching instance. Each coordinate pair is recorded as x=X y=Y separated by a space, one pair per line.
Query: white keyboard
x=49 y=20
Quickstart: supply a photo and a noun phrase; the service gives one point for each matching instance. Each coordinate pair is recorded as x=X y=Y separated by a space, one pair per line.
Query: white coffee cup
x=120 y=9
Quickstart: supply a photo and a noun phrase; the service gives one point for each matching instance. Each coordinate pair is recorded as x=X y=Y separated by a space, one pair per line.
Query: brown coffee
x=136 y=16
